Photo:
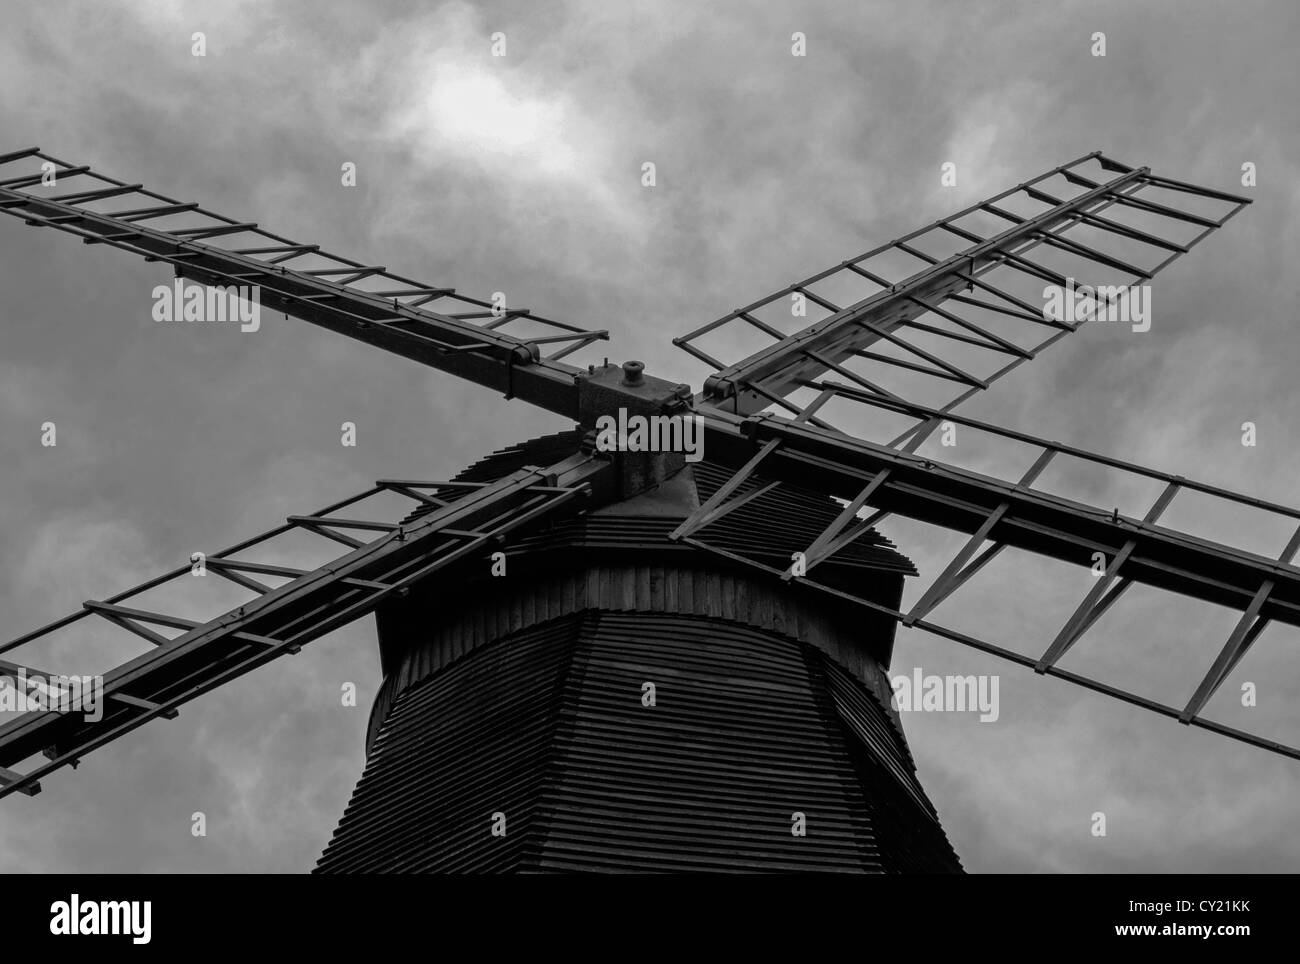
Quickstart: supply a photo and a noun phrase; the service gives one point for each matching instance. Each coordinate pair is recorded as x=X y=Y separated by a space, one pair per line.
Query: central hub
x=635 y=412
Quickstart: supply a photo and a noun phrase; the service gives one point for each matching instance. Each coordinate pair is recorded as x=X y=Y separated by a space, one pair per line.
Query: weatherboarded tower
x=620 y=702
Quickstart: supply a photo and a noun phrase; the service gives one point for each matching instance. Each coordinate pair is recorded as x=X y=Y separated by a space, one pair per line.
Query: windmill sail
x=448 y=331
x=999 y=513
x=460 y=519
x=937 y=315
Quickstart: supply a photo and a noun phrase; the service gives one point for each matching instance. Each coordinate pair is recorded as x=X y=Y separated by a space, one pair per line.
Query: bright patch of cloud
x=472 y=110
x=993 y=136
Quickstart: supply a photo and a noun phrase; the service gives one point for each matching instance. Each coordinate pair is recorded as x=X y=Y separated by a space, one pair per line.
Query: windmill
x=661 y=640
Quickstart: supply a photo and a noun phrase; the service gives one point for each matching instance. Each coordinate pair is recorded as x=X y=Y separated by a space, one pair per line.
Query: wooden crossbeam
x=1083 y=617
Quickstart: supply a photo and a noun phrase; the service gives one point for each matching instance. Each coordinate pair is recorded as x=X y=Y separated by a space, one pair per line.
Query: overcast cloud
x=522 y=174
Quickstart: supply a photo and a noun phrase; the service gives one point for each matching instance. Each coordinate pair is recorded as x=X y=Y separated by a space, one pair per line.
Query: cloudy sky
x=522 y=174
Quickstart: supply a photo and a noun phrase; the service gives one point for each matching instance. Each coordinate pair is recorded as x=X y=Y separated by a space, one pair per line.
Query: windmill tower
x=627 y=702
x=661 y=640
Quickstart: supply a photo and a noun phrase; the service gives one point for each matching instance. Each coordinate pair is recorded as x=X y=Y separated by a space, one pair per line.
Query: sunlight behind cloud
x=475 y=111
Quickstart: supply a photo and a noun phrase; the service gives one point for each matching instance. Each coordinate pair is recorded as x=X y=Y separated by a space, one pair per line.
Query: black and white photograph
x=651 y=438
